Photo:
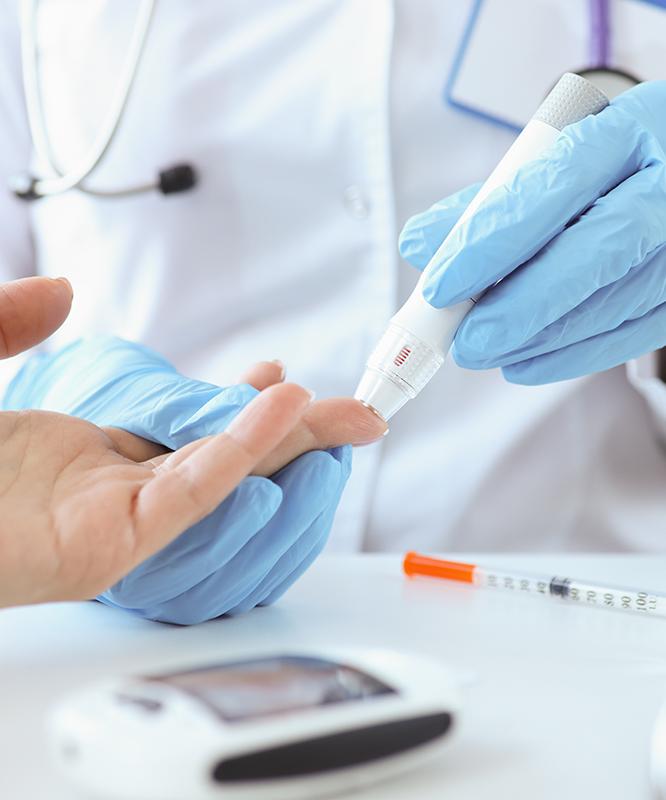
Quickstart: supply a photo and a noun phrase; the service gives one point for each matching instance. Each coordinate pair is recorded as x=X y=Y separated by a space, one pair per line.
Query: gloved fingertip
x=423 y=233
x=321 y=463
x=524 y=374
x=343 y=455
x=277 y=593
x=434 y=290
x=412 y=246
x=323 y=468
x=245 y=390
x=184 y=616
x=469 y=357
x=264 y=493
x=443 y=287
x=309 y=484
x=227 y=403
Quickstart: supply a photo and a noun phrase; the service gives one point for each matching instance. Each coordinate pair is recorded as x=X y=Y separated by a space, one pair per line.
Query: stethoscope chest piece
x=171 y=180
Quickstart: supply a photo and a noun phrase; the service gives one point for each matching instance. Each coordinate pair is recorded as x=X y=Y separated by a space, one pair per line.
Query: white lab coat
x=318 y=128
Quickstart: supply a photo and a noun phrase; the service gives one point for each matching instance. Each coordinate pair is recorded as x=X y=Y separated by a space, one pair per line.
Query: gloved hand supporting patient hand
x=81 y=507
x=578 y=243
x=79 y=511
x=264 y=536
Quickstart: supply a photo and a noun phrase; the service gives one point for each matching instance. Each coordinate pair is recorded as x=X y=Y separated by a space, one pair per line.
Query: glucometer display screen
x=262 y=687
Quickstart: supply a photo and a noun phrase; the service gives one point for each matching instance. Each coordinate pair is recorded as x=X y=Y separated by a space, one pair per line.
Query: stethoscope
x=177 y=178
x=181 y=177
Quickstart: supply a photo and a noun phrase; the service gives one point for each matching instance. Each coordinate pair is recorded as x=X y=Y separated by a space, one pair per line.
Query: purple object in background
x=599 y=33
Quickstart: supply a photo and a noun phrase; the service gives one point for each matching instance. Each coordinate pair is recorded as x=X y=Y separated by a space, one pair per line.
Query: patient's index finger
x=326 y=424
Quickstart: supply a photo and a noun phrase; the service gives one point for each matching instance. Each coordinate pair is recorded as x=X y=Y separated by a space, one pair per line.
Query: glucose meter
x=276 y=726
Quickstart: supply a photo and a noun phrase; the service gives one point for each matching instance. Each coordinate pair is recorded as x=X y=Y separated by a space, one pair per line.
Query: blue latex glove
x=256 y=544
x=578 y=241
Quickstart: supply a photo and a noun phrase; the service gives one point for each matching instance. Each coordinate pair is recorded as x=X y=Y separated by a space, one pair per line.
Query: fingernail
x=312 y=394
x=66 y=282
x=372 y=441
x=367 y=444
x=283 y=369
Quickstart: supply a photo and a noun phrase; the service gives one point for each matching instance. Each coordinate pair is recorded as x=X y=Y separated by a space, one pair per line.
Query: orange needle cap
x=416 y=564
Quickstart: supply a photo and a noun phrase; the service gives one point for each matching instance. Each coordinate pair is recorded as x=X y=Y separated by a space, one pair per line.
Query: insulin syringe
x=419 y=336
x=579 y=592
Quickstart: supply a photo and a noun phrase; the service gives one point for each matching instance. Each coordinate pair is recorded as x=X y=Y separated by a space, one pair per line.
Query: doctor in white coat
x=316 y=129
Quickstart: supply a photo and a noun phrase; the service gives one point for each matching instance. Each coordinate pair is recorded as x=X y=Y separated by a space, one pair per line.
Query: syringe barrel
x=419 y=336
x=573 y=590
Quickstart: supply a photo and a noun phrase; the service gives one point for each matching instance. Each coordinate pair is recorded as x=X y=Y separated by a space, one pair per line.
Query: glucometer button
x=354 y=747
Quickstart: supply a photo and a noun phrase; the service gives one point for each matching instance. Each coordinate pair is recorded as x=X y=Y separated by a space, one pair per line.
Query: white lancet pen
x=419 y=336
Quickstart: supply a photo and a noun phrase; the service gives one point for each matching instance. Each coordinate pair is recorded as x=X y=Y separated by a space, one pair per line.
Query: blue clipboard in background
x=512 y=51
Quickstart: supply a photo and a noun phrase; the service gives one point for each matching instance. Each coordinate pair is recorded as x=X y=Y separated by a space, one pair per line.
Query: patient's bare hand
x=78 y=510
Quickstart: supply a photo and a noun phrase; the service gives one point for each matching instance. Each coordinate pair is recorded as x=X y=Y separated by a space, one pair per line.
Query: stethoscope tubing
x=74 y=178
x=182 y=176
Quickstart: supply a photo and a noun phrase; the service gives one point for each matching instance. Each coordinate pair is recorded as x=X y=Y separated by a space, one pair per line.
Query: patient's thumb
x=31 y=309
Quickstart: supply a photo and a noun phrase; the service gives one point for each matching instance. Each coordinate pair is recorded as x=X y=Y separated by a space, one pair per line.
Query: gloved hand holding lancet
x=419 y=335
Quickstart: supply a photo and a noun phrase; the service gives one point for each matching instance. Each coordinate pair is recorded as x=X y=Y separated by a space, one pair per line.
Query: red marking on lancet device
x=402 y=356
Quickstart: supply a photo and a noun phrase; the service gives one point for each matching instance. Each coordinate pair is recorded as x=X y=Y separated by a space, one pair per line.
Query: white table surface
x=560 y=701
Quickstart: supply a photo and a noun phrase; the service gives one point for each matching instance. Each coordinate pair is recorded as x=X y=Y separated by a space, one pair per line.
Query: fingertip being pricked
x=344 y=420
x=326 y=424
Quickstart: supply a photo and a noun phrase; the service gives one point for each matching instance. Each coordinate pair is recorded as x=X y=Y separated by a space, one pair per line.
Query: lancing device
x=419 y=336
